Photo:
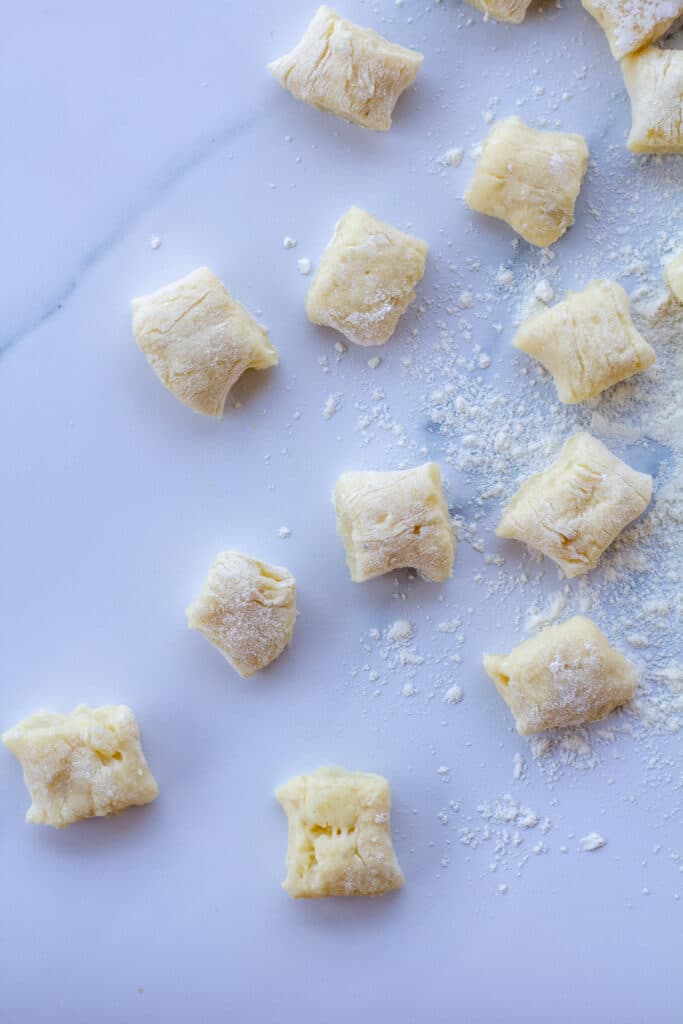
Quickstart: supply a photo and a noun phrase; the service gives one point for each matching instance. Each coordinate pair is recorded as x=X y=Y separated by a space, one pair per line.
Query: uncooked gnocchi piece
x=366 y=278
x=246 y=609
x=199 y=340
x=575 y=509
x=347 y=70
x=674 y=276
x=82 y=765
x=566 y=675
x=395 y=520
x=654 y=81
x=587 y=342
x=339 y=835
x=530 y=179
x=513 y=11
x=631 y=24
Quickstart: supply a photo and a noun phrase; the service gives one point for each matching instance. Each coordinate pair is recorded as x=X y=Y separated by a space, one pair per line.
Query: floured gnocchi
x=575 y=509
x=674 y=276
x=246 y=609
x=366 y=278
x=339 y=835
x=565 y=675
x=587 y=342
x=631 y=24
x=654 y=81
x=530 y=179
x=199 y=340
x=347 y=70
x=395 y=520
x=82 y=765
x=513 y=11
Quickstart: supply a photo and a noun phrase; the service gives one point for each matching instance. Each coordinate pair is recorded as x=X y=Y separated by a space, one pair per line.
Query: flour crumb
x=331 y=406
x=401 y=631
x=518 y=766
x=289 y=243
x=502 y=888
x=374 y=362
x=284 y=532
x=453 y=695
x=304 y=265
x=155 y=242
x=453 y=157
x=408 y=690
x=544 y=292
x=593 y=841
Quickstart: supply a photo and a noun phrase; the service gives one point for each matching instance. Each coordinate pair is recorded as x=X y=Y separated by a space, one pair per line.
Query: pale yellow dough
x=199 y=340
x=395 y=520
x=339 y=835
x=566 y=675
x=575 y=509
x=82 y=765
x=587 y=342
x=654 y=81
x=631 y=24
x=674 y=276
x=513 y=11
x=246 y=609
x=347 y=70
x=530 y=179
x=366 y=278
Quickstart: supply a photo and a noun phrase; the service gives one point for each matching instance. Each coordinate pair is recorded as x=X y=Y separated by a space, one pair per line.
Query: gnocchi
x=82 y=765
x=565 y=675
x=674 y=276
x=631 y=24
x=574 y=510
x=654 y=82
x=339 y=835
x=199 y=340
x=247 y=610
x=530 y=179
x=587 y=342
x=395 y=520
x=347 y=70
x=513 y=11
x=366 y=278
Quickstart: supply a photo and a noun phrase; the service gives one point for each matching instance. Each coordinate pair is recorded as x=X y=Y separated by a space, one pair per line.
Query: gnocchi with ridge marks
x=654 y=82
x=339 y=835
x=395 y=520
x=512 y=11
x=587 y=342
x=86 y=764
x=247 y=610
x=530 y=179
x=366 y=278
x=673 y=273
x=631 y=24
x=347 y=70
x=574 y=510
x=565 y=675
x=199 y=340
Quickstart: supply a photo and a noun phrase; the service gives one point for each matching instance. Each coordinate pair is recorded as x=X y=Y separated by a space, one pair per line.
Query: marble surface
x=128 y=121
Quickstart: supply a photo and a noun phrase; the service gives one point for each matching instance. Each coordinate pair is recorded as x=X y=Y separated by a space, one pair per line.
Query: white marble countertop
x=128 y=121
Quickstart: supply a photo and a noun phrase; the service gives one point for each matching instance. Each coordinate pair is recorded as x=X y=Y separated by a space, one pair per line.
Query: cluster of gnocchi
x=199 y=340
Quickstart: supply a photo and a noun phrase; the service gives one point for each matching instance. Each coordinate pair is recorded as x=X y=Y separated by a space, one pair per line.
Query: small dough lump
x=395 y=520
x=246 y=609
x=366 y=278
x=563 y=676
x=82 y=765
x=513 y=11
x=673 y=273
x=575 y=509
x=339 y=835
x=199 y=340
x=654 y=81
x=587 y=342
x=631 y=24
x=530 y=179
x=347 y=70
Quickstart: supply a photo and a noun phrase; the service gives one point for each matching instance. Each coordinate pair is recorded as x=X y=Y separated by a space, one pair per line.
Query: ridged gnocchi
x=673 y=274
x=654 y=82
x=631 y=24
x=565 y=675
x=587 y=342
x=339 y=835
x=512 y=11
x=395 y=520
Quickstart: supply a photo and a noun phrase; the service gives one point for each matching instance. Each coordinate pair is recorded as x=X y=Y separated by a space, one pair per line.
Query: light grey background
x=130 y=120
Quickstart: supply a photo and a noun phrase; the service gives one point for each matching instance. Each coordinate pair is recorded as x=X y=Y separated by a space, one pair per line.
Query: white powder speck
x=593 y=841
x=288 y=242
x=374 y=362
x=518 y=766
x=408 y=690
x=484 y=361
x=502 y=888
x=304 y=265
x=544 y=292
x=453 y=695
x=401 y=631
x=331 y=405
x=155 y=242
x=284 y=532
x=453 y=157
